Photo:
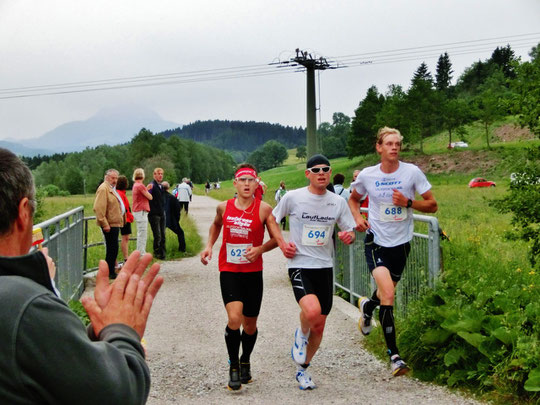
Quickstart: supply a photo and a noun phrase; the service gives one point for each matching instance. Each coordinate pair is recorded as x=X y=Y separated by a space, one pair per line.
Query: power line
x=285 y=67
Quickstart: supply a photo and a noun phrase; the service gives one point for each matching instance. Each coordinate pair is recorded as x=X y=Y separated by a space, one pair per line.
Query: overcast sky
x=63 y=41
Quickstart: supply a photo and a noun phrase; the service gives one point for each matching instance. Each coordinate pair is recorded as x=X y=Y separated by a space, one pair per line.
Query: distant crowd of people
x=49 y=357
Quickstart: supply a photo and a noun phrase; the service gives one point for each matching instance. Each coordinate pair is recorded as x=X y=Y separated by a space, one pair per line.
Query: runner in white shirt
x=313 y=212
x=391 y=186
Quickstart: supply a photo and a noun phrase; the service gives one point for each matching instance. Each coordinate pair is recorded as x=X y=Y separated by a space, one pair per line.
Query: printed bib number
x=315 y=235
x=392 y=213
x=236 y=252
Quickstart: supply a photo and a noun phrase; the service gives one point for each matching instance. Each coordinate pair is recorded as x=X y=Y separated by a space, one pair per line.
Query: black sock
x=386 y=317
x=248 y=343
x=232 y=340
x=305 y=365
x=373 y=303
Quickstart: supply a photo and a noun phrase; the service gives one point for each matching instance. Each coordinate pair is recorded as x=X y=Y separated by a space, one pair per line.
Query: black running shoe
x=234 y=379
x=245 y=373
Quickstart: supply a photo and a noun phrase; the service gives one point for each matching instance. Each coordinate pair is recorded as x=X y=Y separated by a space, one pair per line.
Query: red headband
x=245 y=171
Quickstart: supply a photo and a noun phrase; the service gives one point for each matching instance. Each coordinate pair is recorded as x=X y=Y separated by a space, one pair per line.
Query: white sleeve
x=358 y=185
x=282 y=209
x=421 y=183
x=345 y=219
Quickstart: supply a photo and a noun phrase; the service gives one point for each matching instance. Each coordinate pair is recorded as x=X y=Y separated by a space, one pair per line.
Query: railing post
x=434 y=250
x=351 y=272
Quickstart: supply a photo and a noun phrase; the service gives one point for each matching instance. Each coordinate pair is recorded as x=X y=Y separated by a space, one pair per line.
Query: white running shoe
x=299 y=347
x=366 y=323
x=399 y=367
x=304 y=379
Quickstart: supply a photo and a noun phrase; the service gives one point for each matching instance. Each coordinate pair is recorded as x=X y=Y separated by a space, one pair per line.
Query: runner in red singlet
x=240 y=264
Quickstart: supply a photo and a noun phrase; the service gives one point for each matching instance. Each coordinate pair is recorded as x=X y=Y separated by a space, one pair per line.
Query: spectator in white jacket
x=184 y=194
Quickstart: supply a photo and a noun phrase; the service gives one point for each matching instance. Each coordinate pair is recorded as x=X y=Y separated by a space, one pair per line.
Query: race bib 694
x=315 y=235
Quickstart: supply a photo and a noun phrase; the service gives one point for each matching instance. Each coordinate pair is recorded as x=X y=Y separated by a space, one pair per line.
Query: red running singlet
x=241 y=229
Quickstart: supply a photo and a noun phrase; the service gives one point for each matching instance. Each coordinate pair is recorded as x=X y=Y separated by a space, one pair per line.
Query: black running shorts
x=244 y=287
x=393 y=258
x=314 y=281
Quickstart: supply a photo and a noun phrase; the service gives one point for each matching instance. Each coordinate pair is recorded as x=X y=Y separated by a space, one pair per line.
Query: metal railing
x=352 y=275
x=87 y=245
x=63 y=236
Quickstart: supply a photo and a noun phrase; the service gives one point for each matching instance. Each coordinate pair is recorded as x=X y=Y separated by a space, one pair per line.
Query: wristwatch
x=409 y=203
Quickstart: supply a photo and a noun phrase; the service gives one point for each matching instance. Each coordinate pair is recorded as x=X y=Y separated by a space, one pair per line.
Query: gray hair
x=165 y=185
x=17 y=182
x=110 y=171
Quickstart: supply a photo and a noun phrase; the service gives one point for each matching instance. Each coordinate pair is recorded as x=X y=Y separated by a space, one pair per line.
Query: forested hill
x=239 y=135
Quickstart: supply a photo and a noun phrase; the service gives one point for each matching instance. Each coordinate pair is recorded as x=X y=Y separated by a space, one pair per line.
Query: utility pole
x=311 y=64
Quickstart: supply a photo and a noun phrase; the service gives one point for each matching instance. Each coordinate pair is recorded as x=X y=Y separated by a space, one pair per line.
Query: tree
x=443 y=75
x=526 y=89
x=301 y=152
x=333 y=137
x=523 y=202
x=504 y=59
x=422 y=73
x=491 y=104
x=473 y=77
x=455 y=114
x=361 y=137
x=422 y=106
x=271 y=154
x=392 y=113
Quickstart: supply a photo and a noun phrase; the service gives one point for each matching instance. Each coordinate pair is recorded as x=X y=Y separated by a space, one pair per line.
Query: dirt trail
x=188 y=359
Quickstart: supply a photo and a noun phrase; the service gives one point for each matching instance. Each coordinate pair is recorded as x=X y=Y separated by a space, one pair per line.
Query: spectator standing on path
x=110 y=214
x=240 y=264
x=280 y=192
x=46 y=355
x=125 y=231
x=141 y=207
x=313 y=212
x=392 y=186
x=339 y=179
x=172 y=216
x=184 y=194
x=156 y=216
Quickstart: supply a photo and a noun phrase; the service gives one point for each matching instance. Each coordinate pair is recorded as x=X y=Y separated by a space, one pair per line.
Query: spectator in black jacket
x=156 y=216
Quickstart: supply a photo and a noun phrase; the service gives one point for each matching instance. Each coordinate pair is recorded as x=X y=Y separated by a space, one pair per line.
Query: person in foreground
x=391 y=187
x=47 y=356
x=240 y=264
x=313 y=212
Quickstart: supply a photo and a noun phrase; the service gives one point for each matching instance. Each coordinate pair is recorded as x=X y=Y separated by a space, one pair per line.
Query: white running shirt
x=312 y=218
x=408 y=179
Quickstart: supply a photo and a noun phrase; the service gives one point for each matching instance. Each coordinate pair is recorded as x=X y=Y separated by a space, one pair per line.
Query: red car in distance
x=481 y=182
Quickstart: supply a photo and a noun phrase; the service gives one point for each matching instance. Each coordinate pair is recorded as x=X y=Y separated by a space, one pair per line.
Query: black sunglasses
x=316 y=170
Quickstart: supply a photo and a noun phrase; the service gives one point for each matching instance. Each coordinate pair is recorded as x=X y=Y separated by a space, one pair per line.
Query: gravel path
x=188 y=359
